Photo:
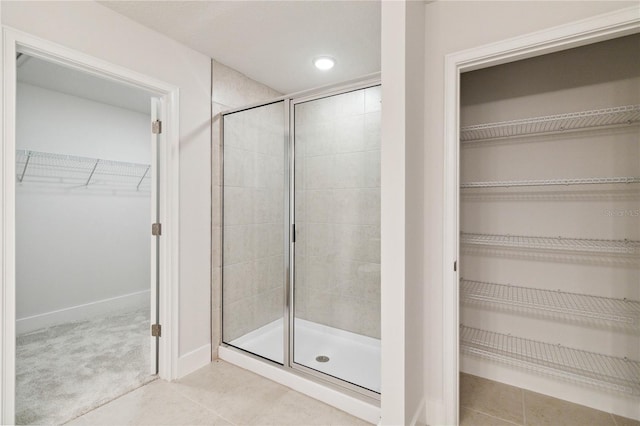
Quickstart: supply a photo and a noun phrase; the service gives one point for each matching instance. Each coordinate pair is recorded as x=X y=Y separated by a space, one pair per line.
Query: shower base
x=351 y=357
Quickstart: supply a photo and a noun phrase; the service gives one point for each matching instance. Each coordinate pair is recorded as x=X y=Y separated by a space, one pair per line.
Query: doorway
x=456 y=336
x=164 y=184
x=86 y=191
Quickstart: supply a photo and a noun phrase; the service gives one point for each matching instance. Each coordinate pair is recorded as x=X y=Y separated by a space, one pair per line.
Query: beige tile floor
x=223 y=394
x=487 y=403
x=218 y=394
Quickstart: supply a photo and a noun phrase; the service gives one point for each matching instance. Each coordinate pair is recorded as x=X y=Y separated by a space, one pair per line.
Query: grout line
x=182 y=394
x=524 y=410
x=615 y=423
x=492 y=416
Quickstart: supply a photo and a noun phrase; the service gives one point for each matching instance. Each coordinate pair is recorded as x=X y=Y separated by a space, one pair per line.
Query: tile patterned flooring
x=218 y=394
x=487 y=403
x=223 y=394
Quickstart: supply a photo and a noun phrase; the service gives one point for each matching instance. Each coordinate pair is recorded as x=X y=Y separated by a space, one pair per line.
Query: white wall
x=402 y=211
x=78 y=245
x=451 y=27
x=414 y=213
x=95 y=30
x=51 y=121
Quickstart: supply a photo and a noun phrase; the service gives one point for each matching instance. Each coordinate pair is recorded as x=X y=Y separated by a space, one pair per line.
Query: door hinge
x=156 y=229
x=156 y=127
x=293 y=233
x=455 y=266
x=156 y=330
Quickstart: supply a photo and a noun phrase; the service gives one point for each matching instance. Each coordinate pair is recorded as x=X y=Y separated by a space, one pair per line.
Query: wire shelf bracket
x=24 y=170
x=607 y=117
x=624 y=247
x=620 y=311
x=144 y=175
x=583 y=367
x=92 y=172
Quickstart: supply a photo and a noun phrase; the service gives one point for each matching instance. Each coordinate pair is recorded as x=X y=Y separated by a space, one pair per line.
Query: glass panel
x=253 y=230
x=337 y=249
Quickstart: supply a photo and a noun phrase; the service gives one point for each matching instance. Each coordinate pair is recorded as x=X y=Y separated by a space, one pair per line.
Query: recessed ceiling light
x=324 y=63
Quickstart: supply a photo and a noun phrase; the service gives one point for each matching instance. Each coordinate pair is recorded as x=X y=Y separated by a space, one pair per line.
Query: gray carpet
x=69 y=369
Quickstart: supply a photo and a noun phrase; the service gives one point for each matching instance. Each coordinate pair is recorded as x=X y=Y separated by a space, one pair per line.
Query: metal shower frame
x=289 y=104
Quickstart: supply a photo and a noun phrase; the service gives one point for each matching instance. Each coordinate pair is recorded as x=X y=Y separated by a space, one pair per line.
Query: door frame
x=588 y=31
x=14 y=41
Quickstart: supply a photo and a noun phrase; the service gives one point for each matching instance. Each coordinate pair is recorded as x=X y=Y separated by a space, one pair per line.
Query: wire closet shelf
x=607 y=117
x=552 y=182
x=49 y=168
x=624 y=247
x=589 y=368
x=619 y=311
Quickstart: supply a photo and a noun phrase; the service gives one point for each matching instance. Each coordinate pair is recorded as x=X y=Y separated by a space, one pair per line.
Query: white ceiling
x=273 y=42
x=56 y=77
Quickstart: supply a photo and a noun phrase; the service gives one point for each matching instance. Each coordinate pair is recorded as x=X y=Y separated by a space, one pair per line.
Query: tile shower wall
x=338 y=211
x=245 y=208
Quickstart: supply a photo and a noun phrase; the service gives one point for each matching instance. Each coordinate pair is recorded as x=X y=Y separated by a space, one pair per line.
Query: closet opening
x=549 y=245
x=87 y=264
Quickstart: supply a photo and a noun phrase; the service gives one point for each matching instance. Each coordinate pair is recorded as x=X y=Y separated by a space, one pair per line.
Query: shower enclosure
x=301 y=234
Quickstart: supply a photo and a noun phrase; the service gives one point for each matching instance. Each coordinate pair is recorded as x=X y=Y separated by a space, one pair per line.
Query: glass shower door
x=253 y=248
x=336 y=290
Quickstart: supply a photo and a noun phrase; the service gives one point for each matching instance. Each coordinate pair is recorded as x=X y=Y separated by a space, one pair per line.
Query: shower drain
x=322 y=358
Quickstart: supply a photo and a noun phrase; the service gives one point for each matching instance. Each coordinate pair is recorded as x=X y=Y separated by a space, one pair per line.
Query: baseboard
x=82 y=312
x=354 y=406
x=194 y=360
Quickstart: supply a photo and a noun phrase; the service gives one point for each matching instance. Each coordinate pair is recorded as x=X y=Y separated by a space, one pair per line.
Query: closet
x=550 y=224
x=84 y=187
